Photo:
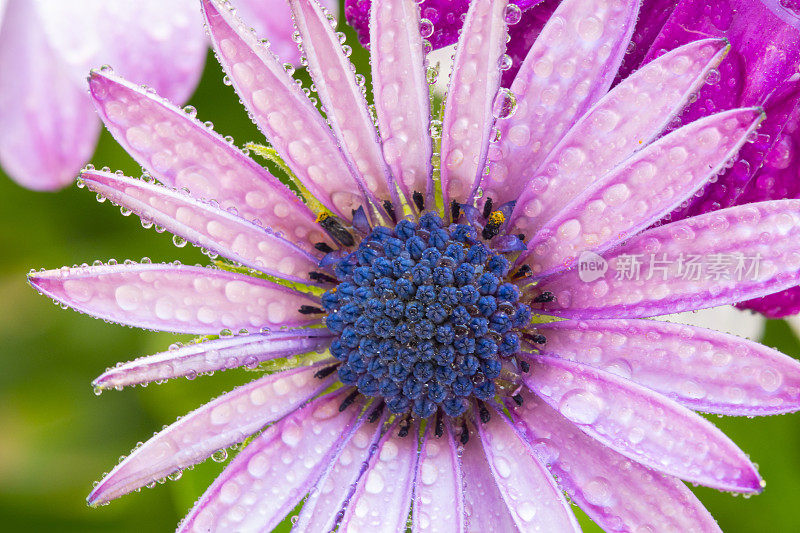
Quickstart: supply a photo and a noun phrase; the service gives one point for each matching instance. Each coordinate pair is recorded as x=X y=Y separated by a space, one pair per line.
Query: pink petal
x=570 y=66
x=702 y=369
x=47 y=127
x=625 y=120
x=281 y=110
x=229 y=419
x=181 y=152
x=438 y=488
x=617 y=493
x=342 y=98
x=219 y=354
x=642 y=425
x=383 y=498
x=640 y=191
x=468 y=118
x=273 y=19
x=206 y=225
x=529 y=490
x=182 y=299
x=401 y=95
x=324 y=506
x=764 y=235
x=270 y=476
x=483 y=503
x=147 y=41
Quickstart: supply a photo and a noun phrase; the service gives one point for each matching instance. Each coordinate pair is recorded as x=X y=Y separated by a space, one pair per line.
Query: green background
x=57 y=437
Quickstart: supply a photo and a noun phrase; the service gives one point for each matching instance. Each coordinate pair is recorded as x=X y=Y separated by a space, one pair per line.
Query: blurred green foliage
x=56 y=437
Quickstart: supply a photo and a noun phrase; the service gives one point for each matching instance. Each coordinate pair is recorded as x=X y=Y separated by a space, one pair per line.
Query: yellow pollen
x=497 y=218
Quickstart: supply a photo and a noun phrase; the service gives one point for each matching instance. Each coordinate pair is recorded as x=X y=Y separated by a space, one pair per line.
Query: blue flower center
x=424 y=316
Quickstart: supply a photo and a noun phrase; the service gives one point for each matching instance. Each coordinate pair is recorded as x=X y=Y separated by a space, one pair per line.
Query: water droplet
x=190 y=110
x=425 y=28
x=219 y=455
x=505 y=104
x=505 y=62
x=512 y=14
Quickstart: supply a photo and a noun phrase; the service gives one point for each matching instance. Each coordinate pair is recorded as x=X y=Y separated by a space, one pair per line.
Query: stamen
x=523 y=272
x=439 y=428
x=536 y=338
x=310 y=310
x=333 y=226
x=544 y=298
x=319 y=276
x=524 y=365
x=455 y=210
x=464 y=432
x=404 y=425
x=484 y=412
x=387 y=205
x=419 y=200
x=487 y=208
x=348 y=401
x=323 y=247
x=517 y=399
x=376 y=414
x=492 y=227
x=325 y=372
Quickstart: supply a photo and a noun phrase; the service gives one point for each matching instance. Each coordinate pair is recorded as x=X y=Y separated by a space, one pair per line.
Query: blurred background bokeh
x=57 y=437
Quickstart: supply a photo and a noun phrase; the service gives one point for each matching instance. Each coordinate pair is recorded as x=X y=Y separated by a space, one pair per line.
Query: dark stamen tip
x=322 y=277
x=517 y=399
x=376 y=414
x=524 y=366
x=455 y=210
x=323 y=247
x=347 y=402
x=545 y=297
x=405 y=424
x=487 y=208
x=334 y=227
x=325 y=372
x=484 y=412
x=387 y=205
x=310 y=310
x=523 y=272
x=439 y=429
x=419 y=200
x=536 y=338
x=464 y=433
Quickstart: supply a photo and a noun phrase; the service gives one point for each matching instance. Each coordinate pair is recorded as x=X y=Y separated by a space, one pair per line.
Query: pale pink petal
x=617 y=493
x=622 y=122
x=642 y=425
x=483 y=503
x=383 y=498
x=342 y=98
x=167 y=297
x=324 y=507
x=181 y=152
x=468 y=112
x=273 y=19
x=219 y=354
x=147 y=41
x=529 y=490
x=438 y=489
x=639 y=192
x=229 y=419
x=402 y=101
x=206 y=225
x=570 y=66
x=47 y=126
x=271 y=475
x=702 y=369
x=287 y=117
x=761 y=242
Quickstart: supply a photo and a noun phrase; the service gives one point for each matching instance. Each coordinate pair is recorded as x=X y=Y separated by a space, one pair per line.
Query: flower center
x=424 y=316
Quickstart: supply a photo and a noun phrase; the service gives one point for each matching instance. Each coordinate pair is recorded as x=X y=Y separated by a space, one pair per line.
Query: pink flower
x=393 y=297
x=48 y=128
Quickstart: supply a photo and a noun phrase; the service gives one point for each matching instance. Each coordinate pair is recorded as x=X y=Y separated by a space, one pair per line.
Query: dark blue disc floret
x=424 y=317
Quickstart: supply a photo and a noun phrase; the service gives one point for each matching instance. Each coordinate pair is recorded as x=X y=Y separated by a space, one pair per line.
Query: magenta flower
x=393 y=297
x=48 y=128
x=761 y=69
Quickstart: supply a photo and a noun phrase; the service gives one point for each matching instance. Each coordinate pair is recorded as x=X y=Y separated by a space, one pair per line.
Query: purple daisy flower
x=49 y=45
x=761 y=69
x=445 y=332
